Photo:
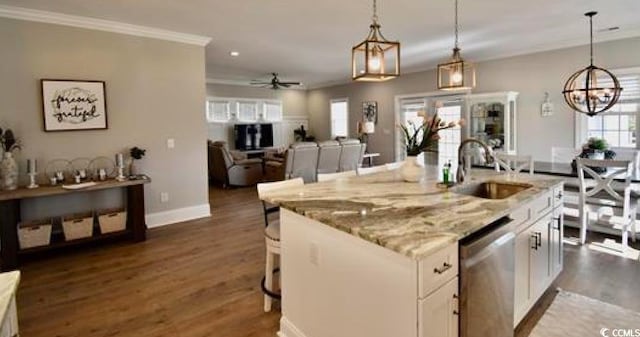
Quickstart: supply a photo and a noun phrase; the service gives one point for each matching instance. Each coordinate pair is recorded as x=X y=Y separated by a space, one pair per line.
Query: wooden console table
x=10 y=202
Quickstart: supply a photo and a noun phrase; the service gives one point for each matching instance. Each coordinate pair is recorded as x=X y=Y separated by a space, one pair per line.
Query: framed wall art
x=70 y=105
x=370 y=111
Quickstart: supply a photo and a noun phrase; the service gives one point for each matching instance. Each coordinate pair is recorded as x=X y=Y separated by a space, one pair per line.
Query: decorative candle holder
x=121 y=176
x=32 y=180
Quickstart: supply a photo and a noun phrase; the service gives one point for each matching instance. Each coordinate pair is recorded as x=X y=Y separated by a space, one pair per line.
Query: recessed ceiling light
x=234 y=53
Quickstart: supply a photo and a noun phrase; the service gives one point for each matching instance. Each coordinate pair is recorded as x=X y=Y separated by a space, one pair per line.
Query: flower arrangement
x=424 y=137
x=137 y=153
x=9 y=141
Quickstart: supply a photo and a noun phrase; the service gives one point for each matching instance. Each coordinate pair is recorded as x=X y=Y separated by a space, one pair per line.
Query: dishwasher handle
x=489 y=250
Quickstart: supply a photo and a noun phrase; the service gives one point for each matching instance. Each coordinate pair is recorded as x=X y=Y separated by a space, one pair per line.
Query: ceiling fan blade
x=284 y=85
x=291 y=83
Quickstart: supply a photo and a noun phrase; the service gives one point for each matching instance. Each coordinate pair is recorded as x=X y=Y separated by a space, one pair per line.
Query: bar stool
x=513 y=163
x=272 y=236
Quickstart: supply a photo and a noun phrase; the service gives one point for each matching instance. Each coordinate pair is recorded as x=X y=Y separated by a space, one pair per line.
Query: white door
x=540 y=267
x=438 y=312
x=524 y=245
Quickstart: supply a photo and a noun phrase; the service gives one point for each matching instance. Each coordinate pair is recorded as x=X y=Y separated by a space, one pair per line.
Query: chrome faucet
x=488 y=153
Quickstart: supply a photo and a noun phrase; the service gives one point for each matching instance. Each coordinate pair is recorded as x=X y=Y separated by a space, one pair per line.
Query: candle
x=32 y=166
x=119 y=160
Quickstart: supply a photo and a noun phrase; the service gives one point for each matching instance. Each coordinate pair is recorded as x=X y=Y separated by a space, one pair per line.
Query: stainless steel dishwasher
x=487 y=276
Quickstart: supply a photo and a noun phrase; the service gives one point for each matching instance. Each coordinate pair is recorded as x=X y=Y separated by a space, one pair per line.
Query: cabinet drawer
x=558 y=196
x=521 y=217
x=542 y=205
x=437 y=269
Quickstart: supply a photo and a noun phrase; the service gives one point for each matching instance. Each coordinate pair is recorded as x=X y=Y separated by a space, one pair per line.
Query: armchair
x=231 y=167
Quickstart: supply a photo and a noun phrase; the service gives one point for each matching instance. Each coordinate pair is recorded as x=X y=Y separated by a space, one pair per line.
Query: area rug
x=573 y=315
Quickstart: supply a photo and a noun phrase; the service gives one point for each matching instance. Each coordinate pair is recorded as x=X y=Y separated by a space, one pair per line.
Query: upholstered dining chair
x=512 y=163
x=599 y=193
x=272 y=236
x=333 y=176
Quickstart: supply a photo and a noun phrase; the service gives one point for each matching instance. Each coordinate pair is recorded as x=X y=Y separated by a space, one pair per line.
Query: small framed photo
x=70 y=105
x=370 y=111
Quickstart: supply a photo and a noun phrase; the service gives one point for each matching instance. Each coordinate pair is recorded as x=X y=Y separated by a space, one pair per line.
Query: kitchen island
x=375 y=256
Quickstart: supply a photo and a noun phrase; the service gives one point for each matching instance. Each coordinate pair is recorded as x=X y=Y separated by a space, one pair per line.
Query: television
x=253 y=136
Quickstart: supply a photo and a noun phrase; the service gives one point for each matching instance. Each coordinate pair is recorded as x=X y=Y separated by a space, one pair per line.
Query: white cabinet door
x=438 y=312
x=556 y=244
x=522 y=286
x=540 y=255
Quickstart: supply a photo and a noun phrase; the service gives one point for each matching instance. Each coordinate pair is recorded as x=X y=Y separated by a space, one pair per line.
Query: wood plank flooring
x=201 y=278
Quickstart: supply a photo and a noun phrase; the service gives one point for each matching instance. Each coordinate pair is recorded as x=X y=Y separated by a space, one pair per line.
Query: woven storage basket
x=77 y=226
x=112 y=220
x=34 y=233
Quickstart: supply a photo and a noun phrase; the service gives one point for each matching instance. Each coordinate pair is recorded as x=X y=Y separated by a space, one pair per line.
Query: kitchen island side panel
x=335 y=284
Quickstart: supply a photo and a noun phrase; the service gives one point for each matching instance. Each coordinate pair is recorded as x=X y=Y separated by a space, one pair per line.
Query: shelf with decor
x=492 y=119
x=70 y=230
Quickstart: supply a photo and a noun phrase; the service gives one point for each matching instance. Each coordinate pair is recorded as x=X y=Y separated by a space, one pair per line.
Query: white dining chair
x=563 y=154
x=371 y=170
x=394 y=165
x=333 y=176
x=272 y=236
x=512 y=163
x=598 y=193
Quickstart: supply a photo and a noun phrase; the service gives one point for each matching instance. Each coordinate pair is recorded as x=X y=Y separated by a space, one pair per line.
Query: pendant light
x=456 y=74
x=582 y=92
x=375 y=59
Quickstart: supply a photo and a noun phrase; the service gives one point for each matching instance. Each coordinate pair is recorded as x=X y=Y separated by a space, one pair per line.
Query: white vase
x=411 y=171
x=9 y=172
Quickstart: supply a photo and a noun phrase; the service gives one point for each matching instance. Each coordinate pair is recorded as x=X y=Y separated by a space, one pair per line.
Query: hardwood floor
x=201 y=278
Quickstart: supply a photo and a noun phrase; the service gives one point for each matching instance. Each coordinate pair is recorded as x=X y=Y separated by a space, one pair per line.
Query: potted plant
x=595 y=148
x=8 y=165
x=136 y=153
x=423 y=138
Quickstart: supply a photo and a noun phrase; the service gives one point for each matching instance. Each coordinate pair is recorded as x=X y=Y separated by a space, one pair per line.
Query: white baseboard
x=177 y=215
x=287 y=329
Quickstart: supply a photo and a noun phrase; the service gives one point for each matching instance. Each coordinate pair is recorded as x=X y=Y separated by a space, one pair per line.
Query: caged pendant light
x=456 y=74
x=375 y=59
x=582 y=91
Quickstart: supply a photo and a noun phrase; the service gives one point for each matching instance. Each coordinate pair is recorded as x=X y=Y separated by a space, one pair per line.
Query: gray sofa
x=307 y=159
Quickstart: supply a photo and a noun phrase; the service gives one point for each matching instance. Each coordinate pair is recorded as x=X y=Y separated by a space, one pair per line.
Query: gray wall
x=530 y=75
x=155 y=90
x=294 y=101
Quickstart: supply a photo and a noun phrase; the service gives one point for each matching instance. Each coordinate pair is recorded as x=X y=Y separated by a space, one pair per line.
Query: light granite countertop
x=8 y=287
x=413 y=219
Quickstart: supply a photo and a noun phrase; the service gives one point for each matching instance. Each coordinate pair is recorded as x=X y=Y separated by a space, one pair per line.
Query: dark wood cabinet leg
x=9 y=218
x=135 y=212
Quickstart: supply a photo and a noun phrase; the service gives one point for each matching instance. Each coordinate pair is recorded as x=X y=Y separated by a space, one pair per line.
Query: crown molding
x=28 y=14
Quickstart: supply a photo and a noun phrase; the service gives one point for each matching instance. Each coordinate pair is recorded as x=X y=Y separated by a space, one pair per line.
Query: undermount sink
x=491 y=189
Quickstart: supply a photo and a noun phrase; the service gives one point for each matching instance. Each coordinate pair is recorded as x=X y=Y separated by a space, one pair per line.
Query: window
x=619 y=125
x=411 y=110
x=339 y=118
x=272 y=111
x=219 y=109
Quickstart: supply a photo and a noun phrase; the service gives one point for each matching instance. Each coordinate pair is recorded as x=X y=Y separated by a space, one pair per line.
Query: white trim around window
x=228 y=109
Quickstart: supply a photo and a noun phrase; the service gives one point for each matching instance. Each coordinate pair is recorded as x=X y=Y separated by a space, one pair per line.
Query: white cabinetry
x=438 y=312
x=538 y=251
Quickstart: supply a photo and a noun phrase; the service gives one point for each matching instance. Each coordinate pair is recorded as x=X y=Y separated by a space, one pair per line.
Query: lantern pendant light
x=375 y=59
x=456 y=74
x=582 y=92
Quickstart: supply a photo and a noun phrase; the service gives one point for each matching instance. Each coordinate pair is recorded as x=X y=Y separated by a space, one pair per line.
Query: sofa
x=307 y=159
x=232 y=168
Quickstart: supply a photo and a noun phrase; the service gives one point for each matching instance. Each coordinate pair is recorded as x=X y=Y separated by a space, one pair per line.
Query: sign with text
x=74 y=105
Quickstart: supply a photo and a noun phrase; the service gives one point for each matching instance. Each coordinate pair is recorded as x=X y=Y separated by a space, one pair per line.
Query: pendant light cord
x=375 y=11
x=591 y=38
x=456 y=24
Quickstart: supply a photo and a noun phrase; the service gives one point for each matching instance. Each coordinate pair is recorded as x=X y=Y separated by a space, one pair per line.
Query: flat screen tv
x=253 y=136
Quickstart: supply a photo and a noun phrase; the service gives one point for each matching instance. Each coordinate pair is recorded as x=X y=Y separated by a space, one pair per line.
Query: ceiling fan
x=274 y=83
